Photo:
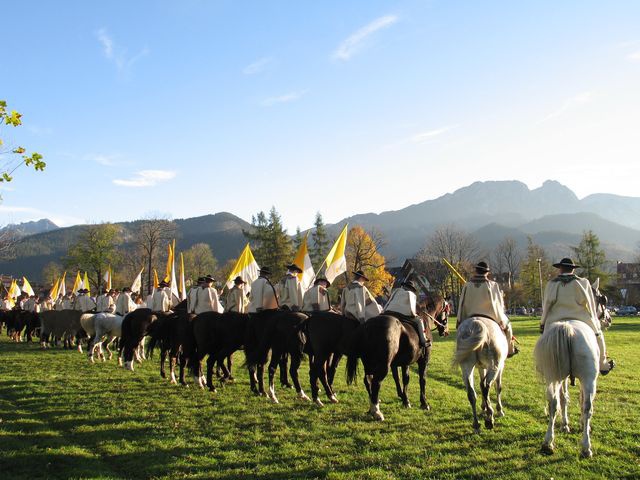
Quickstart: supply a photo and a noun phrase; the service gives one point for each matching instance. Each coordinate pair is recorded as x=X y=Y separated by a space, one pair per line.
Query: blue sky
x=193 y=107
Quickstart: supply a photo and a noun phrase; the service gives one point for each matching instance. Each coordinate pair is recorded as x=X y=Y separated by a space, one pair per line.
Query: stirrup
x=516 y=351
x=612 y=364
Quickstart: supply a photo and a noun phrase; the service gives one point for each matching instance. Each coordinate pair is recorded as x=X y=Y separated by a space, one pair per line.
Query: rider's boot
x=419 y=324
x=508 y=332
x=606 y=365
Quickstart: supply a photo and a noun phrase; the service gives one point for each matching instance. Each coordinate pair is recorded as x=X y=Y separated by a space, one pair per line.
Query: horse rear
x=568 y=349
x=481 y=343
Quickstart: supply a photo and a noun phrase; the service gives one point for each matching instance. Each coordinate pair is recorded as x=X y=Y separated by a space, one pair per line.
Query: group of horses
x=277 y=339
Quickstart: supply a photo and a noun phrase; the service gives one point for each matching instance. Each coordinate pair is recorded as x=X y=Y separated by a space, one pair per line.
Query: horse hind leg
x=405 y=386
x=588 y=396
x=553 y=397
x=313 y=379
x=467 y=378
x=293 y=371
x=422 y=375
x=375 y=394
x=499 y=407
x=485 y=386
x=273 y=366
x=564 y=405
x=327 y=373
x=396 y=379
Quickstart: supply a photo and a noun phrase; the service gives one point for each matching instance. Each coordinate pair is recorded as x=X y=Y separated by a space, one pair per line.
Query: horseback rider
x=481 y=297
x=316 y=299
x=402 y=305
x=105 y=302
x=191 y=296
x=357 y=301
x=569 y=297
x=236 y=300
x=290 y=289
x=125 y=304
x=207 y=297
x=84 y=302
x=263 y=294
x=160 y=301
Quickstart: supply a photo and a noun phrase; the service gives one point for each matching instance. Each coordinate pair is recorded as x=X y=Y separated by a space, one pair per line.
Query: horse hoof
x=407 y=405
x=586 y=453
x=333 y=399
x=303 y=396
x=286 y=385
x=318 y=402
x=378 y=416
x=547 y=449
x=488 y=423
x=173 y=381
x=274 y=399
x=566 y=429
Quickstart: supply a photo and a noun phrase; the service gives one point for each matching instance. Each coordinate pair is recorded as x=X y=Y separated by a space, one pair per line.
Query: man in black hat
x=263 y=294
x=236 y=300
x=316 y=299
x=357 y=301
x=84 y=302
x=402 y=305
x=481 y=297
x=569 y=297
x=290 y=289
x=207 y=297
x=125 y=303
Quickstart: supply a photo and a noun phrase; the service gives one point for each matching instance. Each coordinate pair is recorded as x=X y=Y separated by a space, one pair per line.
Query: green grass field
x=61 y=417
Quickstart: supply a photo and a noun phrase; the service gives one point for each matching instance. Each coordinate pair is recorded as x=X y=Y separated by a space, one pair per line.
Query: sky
x=194 y=107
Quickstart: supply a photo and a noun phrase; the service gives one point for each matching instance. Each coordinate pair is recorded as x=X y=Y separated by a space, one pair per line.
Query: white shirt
x=262 y=295
x=291 y=294
x=356 y=300
x=236 y=300
x=207 y=301
x=316 y=296
x=84 y=303
x=105 y=303
x=191 y=299
x=124 y=304
x=160 y=301
x=402 y=301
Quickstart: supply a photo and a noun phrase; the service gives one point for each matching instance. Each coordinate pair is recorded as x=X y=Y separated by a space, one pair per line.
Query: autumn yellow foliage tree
x=363 y=254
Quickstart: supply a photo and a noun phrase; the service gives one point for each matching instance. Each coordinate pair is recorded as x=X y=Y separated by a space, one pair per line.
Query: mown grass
x=61 y=417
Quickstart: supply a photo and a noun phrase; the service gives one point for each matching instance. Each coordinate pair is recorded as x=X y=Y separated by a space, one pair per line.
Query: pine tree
x=297 y=240
x=591 y=257
x=270 y=243
x=321 y=243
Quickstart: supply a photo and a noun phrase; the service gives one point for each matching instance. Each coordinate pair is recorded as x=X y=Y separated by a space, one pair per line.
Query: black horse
x=218 y=335
x=280 y=332
x=174 y=335
x=329 y=339
x=135 y=326
x=384 y=342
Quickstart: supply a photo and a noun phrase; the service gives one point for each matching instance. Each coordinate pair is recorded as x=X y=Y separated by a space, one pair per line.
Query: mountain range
x=552 y=215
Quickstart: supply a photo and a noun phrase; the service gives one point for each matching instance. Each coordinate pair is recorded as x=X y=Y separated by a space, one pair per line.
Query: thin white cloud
x=573 y=102
x=355 y=41
x=146 y=178
x=16 y=209
x=286 y=98
x=634 y=57
x=431 y=134
x=258 y=66
x=105 y=160
x=116 y=54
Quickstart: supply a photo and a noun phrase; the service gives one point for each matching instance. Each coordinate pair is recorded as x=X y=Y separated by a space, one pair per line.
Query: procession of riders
x=566 y=297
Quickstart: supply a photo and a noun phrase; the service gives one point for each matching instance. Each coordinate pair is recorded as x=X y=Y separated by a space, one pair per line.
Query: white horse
x=481 y=343
x=568 y=349
x=563 y=395
x=109 y=325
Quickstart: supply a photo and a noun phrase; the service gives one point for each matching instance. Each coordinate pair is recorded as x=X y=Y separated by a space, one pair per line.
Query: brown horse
x=385 y=343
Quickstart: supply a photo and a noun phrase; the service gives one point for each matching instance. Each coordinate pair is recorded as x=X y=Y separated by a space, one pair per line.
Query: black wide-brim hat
x=410 y=285
x=238 y=280
x=294 y=268
x=265 y=271
x=208 y=278
x=482 y=267
x=360 y=274
x=322 y=279
x=163 y=284
x=566 y=262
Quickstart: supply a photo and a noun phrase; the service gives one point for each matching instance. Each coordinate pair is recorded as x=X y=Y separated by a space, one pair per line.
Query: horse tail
x=355 y=352
x=471 y=338
x=553 y=352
